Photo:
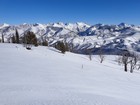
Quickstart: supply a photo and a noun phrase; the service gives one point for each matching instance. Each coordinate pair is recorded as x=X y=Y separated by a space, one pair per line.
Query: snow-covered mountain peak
x=86 y=36
x=25 y=23
x=59 y=24
x=4 y=25
x=82 y=24
x=39 y=25
x=123 y=25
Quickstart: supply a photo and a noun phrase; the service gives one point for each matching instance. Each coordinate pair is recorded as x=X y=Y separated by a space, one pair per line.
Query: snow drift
x=43 y=76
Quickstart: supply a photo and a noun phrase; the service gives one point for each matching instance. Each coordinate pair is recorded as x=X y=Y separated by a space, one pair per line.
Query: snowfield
x=44 y=76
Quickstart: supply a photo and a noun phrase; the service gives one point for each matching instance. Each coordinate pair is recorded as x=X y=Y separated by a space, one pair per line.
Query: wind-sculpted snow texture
x=43 y=76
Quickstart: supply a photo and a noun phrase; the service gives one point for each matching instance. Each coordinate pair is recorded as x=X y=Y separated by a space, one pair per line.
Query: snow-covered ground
x=43 y=76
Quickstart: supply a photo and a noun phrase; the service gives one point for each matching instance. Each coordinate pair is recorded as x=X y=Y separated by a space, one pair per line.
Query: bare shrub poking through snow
x=129 y=60
x=101 y=55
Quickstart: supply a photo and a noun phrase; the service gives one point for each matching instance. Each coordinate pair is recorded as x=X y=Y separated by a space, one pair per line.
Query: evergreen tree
x=2 y=38
x=30 y=39
x=13 y=39
x=17 y=36
x=45 y=43
x=60 y=46
x=67 y=47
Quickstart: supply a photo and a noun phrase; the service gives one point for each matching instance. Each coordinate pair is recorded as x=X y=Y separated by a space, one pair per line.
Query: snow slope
x=43 y=76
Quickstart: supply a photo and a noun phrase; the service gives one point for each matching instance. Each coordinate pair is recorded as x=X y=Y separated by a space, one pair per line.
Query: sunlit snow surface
x=44 y=76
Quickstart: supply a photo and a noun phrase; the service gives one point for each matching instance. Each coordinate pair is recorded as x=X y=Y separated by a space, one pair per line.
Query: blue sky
x=88 y=11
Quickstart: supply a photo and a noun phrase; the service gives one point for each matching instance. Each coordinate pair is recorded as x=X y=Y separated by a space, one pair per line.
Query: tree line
x=29 y=39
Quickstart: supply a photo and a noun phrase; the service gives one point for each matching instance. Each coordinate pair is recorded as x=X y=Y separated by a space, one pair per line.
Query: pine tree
x=45 y=43
x=67 y=47
x=17 y=36
x=60 y=46
x=30 y=39
x=2 y=38
x=13 y=39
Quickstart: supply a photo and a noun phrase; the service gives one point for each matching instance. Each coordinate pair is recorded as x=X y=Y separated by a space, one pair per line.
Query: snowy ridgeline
x=112 y=38
x=44 y=76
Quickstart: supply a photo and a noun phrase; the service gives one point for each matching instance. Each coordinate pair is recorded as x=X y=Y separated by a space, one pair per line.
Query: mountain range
x=112 y=39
